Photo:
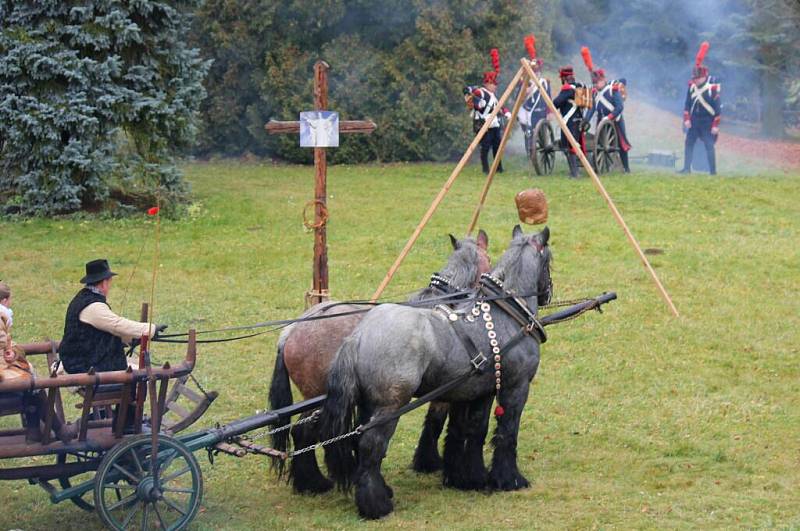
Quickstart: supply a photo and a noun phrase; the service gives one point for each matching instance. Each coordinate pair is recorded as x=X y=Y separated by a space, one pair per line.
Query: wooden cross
x=319 y=290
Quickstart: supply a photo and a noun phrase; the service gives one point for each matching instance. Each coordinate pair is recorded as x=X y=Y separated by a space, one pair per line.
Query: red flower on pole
x=152 y=211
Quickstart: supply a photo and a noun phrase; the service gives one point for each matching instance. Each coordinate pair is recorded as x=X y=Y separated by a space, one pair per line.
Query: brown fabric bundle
x=532 y=206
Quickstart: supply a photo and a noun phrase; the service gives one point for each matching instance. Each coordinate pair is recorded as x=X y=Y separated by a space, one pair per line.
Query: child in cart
x=14 y=365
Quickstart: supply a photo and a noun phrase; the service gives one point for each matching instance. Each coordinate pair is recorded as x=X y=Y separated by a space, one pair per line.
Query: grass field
x=636 y=419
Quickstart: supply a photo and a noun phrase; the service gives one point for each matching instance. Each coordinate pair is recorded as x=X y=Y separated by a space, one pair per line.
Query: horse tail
x=339 y=414
x=280 y=395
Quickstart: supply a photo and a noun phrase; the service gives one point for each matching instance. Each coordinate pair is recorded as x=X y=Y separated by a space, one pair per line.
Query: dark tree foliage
x=402 y=63
x=95 y=96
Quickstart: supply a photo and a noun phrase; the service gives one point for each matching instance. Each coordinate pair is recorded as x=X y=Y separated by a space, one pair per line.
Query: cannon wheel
x=606 y=147
x=543 y=152
x=168 y=500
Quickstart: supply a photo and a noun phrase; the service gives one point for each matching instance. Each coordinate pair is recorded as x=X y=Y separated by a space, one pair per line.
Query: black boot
x=572 y=160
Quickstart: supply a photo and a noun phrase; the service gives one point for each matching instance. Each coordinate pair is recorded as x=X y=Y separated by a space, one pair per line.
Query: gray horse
x=306 y=350
x=398 y=352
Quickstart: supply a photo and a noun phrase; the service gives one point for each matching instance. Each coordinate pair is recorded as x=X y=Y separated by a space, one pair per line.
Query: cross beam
x=276 y=127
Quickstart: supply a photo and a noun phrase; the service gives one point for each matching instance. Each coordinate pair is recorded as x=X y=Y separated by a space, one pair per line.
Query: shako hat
x=597 y=74
x=700 y=70
x=492 y=75
x=97 y=270
x=530 y=46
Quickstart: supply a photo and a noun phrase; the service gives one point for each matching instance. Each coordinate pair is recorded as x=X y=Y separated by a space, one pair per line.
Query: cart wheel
x=543 y=154
x=65 y=481
x=606 y=149
x=169 y=500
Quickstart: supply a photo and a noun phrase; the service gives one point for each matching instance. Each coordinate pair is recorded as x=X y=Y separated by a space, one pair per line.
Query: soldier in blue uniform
x=572 y=114
x=482 y=103
x=701 y=113
x=533 y=108
x=608 y=102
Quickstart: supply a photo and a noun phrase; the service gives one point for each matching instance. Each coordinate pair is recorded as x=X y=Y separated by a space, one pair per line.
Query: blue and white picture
x=319 y=129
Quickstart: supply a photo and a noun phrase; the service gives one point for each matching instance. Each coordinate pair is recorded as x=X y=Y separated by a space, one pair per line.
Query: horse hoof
x=427 y=465
x=476 y=483
x=319 y=486
x=515 y=481
x=376 y=506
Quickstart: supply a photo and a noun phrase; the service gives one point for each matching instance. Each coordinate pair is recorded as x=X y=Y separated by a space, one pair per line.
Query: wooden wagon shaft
x=276 y=127
x=599 y=185
x=499 y=155
x=103 y=378
x=446 y=187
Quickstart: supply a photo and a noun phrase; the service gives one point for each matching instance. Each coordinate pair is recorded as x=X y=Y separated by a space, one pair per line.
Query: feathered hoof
x=317 y=486
x=426 y=464
x=511 y=480
x=466 y=483
x=374 y=500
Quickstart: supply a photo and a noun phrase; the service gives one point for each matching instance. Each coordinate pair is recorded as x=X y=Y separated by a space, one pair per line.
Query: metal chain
x=313 y=447
x=304 y=420
x=568 y=302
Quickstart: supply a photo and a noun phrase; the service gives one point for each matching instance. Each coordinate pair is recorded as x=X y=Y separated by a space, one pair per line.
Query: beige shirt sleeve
x=100 y=316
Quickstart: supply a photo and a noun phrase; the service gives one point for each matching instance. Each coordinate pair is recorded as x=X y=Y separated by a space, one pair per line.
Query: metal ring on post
x=323 y=215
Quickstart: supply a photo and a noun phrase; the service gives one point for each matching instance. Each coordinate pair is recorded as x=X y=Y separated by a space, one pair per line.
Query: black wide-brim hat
x=97 y=270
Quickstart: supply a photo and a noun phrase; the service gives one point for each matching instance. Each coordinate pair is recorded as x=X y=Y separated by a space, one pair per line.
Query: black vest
x=84 y=346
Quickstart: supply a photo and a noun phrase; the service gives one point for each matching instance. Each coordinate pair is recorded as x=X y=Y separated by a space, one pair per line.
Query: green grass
x=636 y=419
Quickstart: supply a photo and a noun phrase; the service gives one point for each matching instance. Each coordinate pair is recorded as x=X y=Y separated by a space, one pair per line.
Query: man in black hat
x=93 y=334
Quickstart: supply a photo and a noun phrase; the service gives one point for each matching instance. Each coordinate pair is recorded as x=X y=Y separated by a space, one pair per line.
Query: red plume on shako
x=530 y=46
x=700 y=70
x=492 y=75
x=587 y=60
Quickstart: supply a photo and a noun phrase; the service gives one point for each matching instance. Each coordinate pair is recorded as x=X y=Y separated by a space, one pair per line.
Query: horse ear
x=483 y=239
x=454 y=241
x=516 y=233
x=545 y=235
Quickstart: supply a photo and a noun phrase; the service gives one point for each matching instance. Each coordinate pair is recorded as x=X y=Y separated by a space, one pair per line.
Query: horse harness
x=515 y=307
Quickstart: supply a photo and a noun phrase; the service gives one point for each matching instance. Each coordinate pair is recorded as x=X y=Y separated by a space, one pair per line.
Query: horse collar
x=443 y=284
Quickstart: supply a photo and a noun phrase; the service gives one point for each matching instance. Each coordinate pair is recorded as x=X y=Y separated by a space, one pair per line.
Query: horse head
x=470 y=260
x=525 y=266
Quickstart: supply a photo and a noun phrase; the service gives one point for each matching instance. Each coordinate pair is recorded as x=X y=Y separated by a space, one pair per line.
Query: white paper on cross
x=319 y=129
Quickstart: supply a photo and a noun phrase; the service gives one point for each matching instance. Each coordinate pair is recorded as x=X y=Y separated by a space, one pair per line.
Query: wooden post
x=599 y=185
x=500 y=150
x=446 y=187
x=319 y=286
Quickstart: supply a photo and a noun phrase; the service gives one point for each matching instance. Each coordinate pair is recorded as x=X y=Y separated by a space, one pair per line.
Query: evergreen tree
x=94 y=98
